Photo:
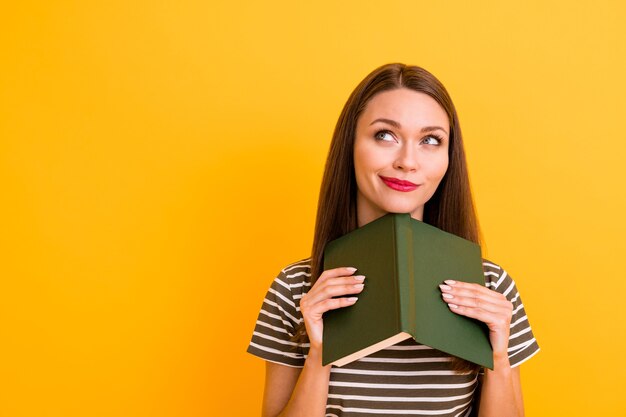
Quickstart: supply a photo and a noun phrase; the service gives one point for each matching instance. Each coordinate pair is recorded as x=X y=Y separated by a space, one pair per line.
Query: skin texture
x=411 y=144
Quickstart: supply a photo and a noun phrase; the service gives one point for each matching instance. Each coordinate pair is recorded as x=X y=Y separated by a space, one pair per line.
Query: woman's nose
x=407 y=159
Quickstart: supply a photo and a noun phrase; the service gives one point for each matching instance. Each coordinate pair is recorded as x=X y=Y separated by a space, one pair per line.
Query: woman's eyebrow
x=388 y=121
x=398 y=126
x=431 y=128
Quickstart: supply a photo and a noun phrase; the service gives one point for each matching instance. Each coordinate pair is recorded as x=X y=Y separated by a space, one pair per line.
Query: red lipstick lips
x=398 y=185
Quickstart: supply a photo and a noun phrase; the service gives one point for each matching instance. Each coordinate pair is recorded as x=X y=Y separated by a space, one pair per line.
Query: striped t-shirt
x=404 y=379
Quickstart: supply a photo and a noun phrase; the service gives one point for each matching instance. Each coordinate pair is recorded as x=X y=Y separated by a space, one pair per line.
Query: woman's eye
x=384 y=135
x=432 y=140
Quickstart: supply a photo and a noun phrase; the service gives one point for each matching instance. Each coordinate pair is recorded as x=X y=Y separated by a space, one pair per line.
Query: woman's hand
x=319 y=299
x=304 y=392
x=481 y=303
x=501 y=392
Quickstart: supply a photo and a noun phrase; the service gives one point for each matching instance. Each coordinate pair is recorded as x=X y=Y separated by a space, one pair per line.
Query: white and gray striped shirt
x=406 y=379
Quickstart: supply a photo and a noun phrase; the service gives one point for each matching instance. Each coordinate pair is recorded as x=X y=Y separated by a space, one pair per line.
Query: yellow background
x=160 y=163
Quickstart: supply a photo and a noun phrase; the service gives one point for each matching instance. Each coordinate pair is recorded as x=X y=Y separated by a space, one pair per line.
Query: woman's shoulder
x=491 y=269
x=296 y=274
x=497 y=278
x=303 y=265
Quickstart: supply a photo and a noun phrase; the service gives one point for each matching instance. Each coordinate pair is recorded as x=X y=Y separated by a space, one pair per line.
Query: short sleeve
x=522 y=342
x=280 y=317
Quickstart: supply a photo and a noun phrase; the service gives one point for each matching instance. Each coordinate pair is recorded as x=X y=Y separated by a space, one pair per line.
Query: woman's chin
x=405 y=208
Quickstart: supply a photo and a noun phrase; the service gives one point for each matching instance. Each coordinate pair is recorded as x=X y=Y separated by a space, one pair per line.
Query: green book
x=404 y=260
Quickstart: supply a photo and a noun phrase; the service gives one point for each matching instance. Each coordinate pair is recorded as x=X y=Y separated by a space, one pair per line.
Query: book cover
x=404 y=261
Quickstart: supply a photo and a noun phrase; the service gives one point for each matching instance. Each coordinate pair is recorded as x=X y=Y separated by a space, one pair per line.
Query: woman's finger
x=342 y=280
x=332 y=283
x=334 y=303
x=488 y=304
x=473 y=295
x=329 y=289
x=465 y=288
x=500 y=320
x=336 y=272
x=480 y=303
x=320 y=298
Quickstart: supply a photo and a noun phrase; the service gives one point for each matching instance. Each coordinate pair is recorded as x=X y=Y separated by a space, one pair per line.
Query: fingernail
x=353 y=299
x=359 y=285
x=445 y=295
x=450 y=282
x=453 y=306
x=359 y=277
x=351 y=269
x=445 y=287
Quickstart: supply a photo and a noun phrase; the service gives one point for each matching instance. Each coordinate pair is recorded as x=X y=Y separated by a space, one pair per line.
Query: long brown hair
x=450 y=208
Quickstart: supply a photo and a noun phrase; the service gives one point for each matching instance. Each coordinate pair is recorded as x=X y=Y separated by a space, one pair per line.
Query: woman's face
x=400 y=153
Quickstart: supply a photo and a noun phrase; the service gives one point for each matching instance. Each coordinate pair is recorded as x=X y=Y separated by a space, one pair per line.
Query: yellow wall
x=154 y=155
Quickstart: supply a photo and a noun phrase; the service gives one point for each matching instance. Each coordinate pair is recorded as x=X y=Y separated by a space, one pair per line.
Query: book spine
x=394 y=278
x=404 y=279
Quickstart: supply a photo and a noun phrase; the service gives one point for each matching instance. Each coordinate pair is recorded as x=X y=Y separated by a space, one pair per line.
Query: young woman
x=397 y=148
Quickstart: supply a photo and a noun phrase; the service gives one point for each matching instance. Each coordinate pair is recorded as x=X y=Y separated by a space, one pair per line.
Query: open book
x=404 y=261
